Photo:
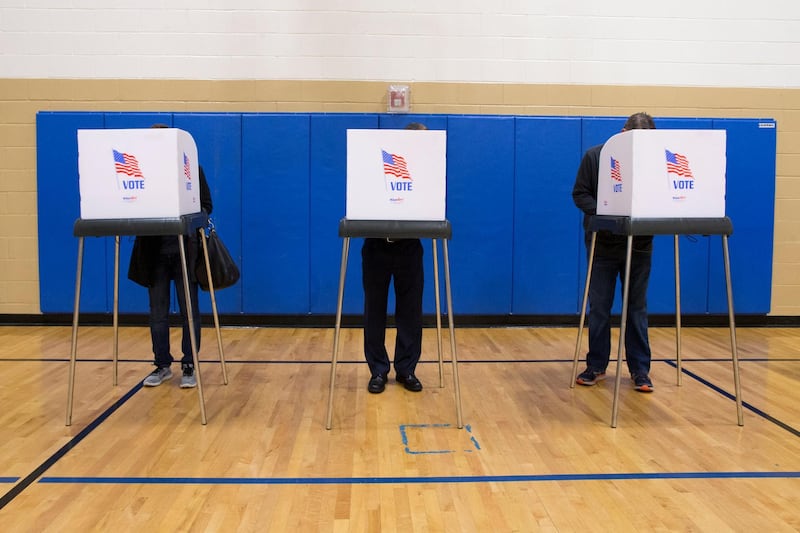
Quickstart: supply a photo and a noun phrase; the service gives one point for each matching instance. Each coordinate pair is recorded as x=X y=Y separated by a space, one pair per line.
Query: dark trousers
x=601 y=298
x=381 y=262
x=167 y=272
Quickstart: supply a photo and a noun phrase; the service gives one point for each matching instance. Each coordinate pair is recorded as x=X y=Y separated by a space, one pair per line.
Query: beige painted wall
x=21 y=99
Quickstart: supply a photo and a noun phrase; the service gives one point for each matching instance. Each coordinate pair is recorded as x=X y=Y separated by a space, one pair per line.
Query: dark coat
x=146 y=249
x=584 y=194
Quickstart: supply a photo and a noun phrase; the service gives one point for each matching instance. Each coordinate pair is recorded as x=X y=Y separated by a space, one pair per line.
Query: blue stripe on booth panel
x=750 y=204
x=218 y=137
x=132 y=297
x=693 y=253
x=58 y=207
x=480 y=207
x=693 y=249
x=328 y=170
x=594 y=131
x=547 y=240
x=432 y=122
x=275 y=213
x=597 y=130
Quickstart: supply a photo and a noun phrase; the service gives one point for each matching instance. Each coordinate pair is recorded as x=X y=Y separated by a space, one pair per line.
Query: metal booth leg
x=438 y=311
x=583 y=311
x=678 y=313
x=623 y=323
x=335 y=356
x=202 y=235
x=115 y=319
x=74 y=348
x=452 y=334
x=190 y=318
x=734 y=351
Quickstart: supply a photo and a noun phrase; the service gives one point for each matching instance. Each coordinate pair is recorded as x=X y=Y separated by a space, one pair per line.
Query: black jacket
x=584 y=194
x=147 y=249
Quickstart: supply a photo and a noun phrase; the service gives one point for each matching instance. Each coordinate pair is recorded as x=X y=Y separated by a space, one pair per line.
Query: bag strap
x=209 y=227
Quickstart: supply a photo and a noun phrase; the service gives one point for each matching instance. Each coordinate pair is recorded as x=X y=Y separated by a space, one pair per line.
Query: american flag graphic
x=187 y=169
x=616 y=171
x=127 y=164
x=395 y=165
x=678 y=164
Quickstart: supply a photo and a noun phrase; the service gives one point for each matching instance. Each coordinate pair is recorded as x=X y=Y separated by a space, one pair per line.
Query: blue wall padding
x=219 y=148
x=548 y=238
x=693 y=254
x=275 y=213
x=595 y=130
x=278 y=182
x=58 y=206
x=480 y=206
x=750 y=205
x=432 y=122
x=132 y=297
x=328 y=156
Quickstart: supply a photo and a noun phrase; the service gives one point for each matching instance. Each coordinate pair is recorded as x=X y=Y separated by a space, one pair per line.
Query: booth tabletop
x=622 y=225
x=395 y=229
x=183 y=225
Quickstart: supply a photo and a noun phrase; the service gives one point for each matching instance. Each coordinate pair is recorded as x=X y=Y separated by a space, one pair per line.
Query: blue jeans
x=601 y=298
x=168 y=271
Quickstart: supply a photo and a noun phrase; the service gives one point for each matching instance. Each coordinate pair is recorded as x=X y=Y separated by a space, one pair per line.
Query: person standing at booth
x=156 y=264
x=383 y=260
x=609 y=263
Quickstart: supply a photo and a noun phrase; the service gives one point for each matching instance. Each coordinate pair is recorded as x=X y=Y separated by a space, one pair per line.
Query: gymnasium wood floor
x=533 y=455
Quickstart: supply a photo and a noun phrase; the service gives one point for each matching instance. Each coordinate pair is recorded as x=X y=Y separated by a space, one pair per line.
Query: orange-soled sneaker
x=642 y=383
x=589 y=377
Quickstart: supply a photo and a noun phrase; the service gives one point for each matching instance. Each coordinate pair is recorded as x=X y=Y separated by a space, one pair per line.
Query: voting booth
x=663 y=174
x=137 y=173
x=139 y=182
x=656 y=182
x=396 y=175
x=396 y=189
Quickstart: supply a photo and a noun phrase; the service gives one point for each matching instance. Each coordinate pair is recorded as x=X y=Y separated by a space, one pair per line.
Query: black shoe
x=410 y=382
x=377 y=383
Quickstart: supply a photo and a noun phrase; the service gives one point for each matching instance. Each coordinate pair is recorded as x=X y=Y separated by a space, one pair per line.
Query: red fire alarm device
x=399 y=99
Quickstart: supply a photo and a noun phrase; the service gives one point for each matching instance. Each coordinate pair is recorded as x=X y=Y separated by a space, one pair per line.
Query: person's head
x=639 y=121
x=159 y=125
x=416 y=126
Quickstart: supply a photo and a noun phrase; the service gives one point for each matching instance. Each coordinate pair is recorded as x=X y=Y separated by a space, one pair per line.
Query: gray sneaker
x=157 y=377
x=188 y=379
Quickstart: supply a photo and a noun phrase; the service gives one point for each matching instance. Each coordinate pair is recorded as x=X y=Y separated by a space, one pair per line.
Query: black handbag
x=224 y=271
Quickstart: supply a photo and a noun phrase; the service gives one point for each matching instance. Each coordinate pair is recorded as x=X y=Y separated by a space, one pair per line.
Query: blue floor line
x=6 y=498
x=745 y=405
x=415 y=479
x=37 y=473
